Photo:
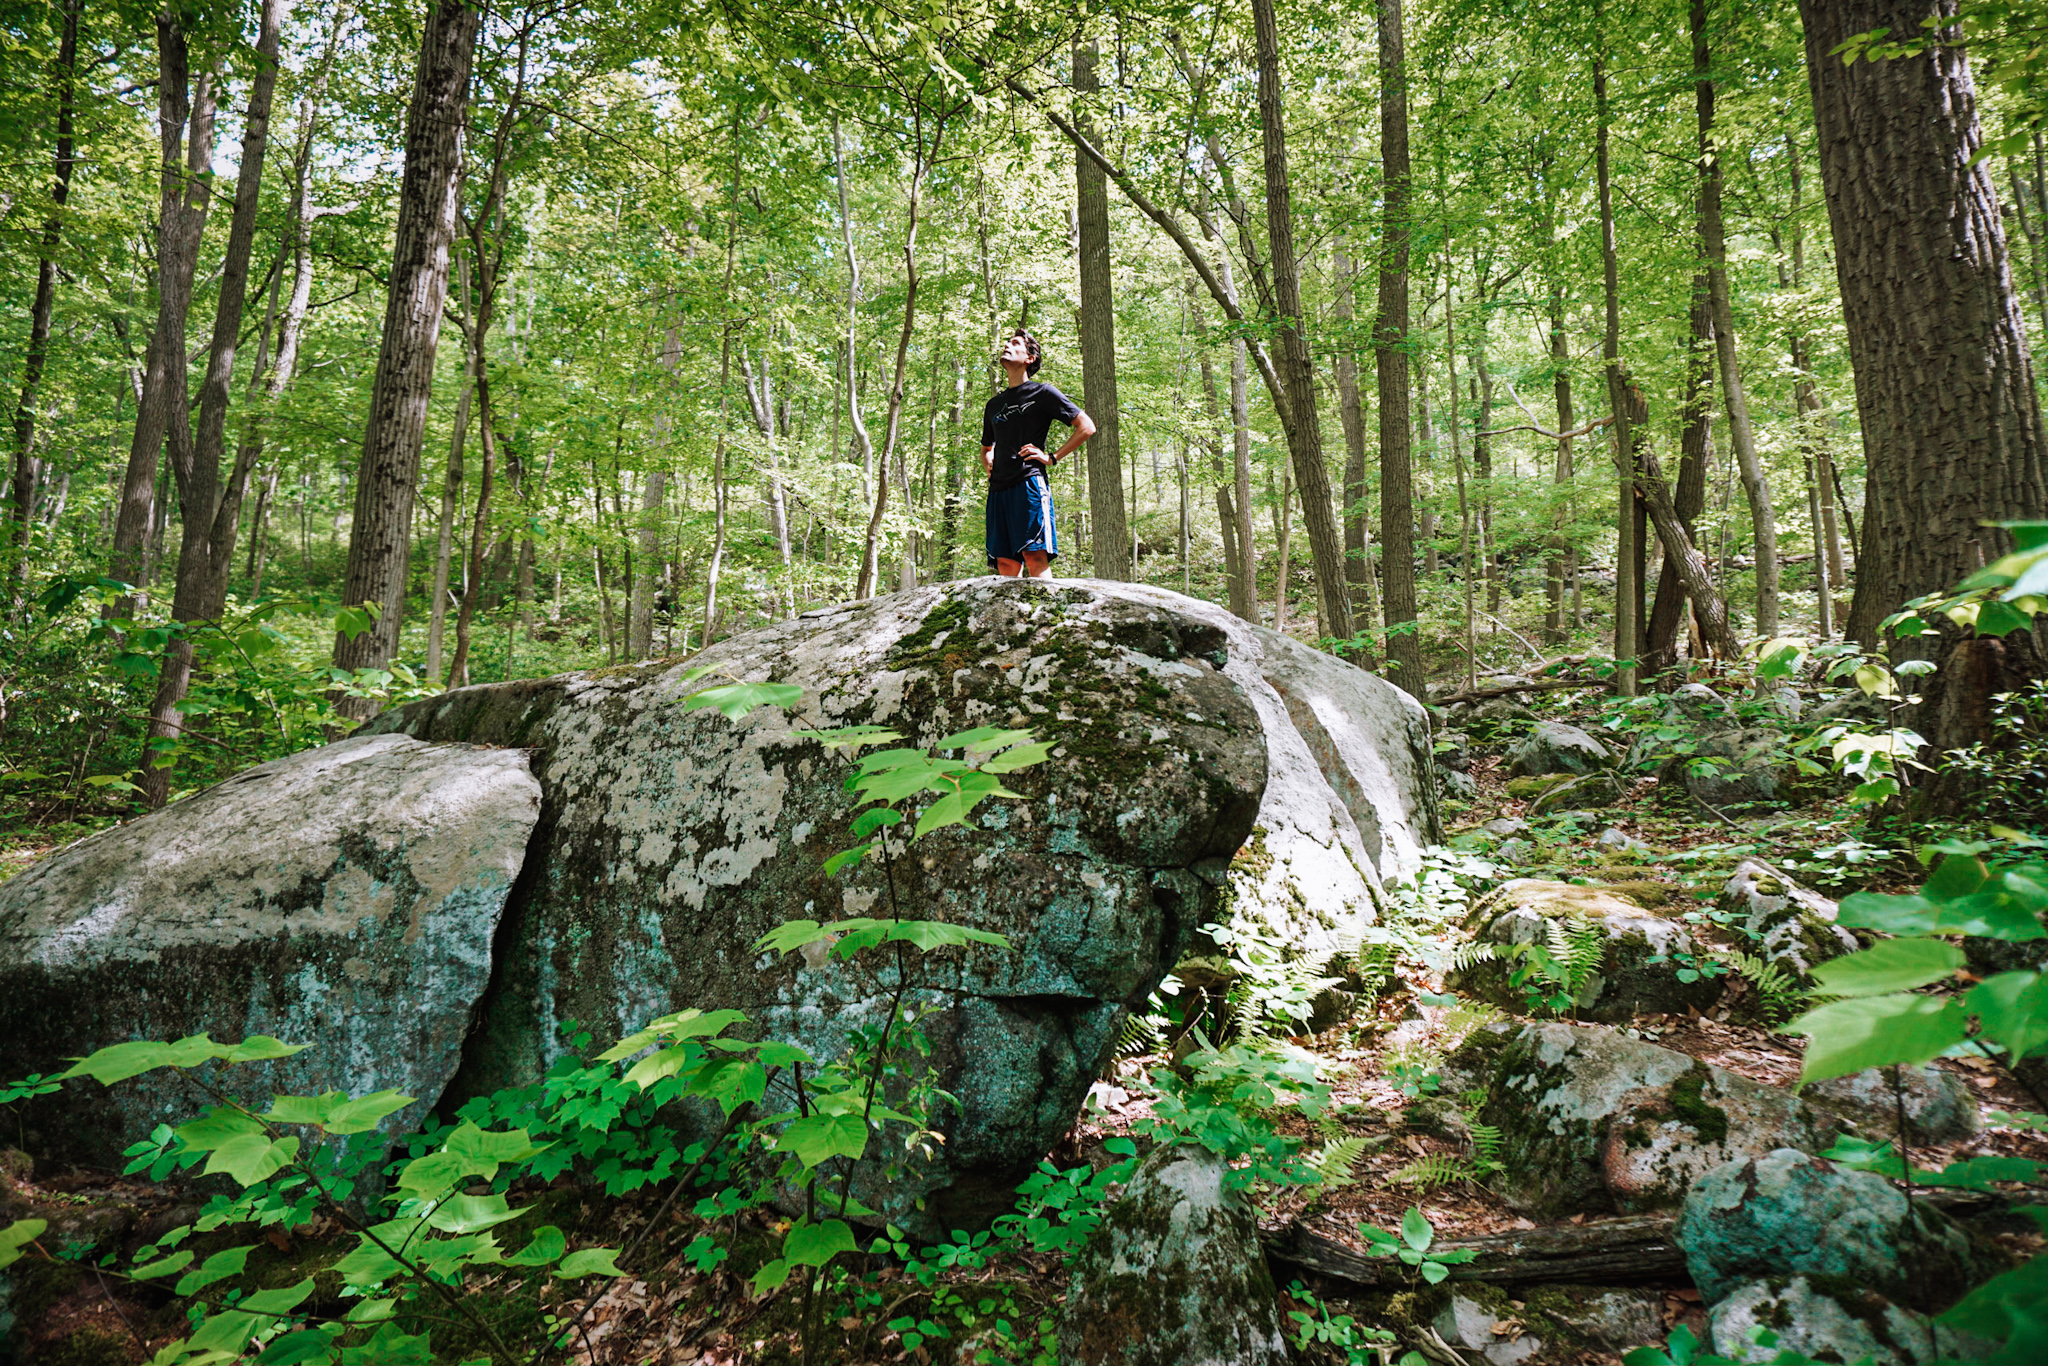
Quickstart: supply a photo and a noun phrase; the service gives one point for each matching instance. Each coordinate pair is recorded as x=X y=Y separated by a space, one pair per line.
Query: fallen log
x=1610 y=1251
x=1509 y=689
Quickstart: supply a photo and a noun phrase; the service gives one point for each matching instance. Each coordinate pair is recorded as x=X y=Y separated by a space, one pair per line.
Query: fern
x=1777 y=990
x=1576 y=953
x=1487 y=1141
x=1436 y=1171
x=1141 y=1035
x=1472 y=954
x=1334 y=1161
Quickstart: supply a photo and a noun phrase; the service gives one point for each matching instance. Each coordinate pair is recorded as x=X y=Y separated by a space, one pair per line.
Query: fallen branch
x=1638 y=1248
x=1509 y=689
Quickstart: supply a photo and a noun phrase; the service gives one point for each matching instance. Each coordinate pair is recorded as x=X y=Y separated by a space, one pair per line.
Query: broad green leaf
x=591 y=1261
x=2013 y=1309
x=818 y=1138
x=163 y=1266
x=471 y=1213
x=1415 y=1229
x=280 y=1301
x=2012 y=1008
x=732 y=1082
x=250 y=1158
x=925 y=935
x=20 y=1234
x=875 y=818
x=1436 y=1273
x=228 y=1331
x=118 y=1062
x=987 y=739
x=817 y=1244
x=1996 y=618
x=548 y=1245
x=218 y=1267
x=489 y=1148
x=771 y=1277
x=303 y=1109
x=950 y=809
x=217 y=1126
x=1956 y=877
x=261 y=1048
x=1876 y=681
x=1876 y=1031
x=1895 y=965
x=854 y=738
x=301 y=1346
x=390 y=1345
x=365 y=1112
x=669 y=1062
x=792 y=935
x=894 y=784
x=735 y=700
x=844 y=858
x=775 y=1054
x=1023 y=756
x=863 y=936
x=1978 y=1173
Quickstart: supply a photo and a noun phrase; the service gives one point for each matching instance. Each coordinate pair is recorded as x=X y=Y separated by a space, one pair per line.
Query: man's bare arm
x=1084 y=427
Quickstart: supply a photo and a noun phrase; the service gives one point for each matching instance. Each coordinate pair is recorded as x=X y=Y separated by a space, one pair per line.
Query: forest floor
x=1002 y=1308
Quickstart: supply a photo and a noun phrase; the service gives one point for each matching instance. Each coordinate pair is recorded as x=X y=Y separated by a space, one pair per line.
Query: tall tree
x=1390 y=336
x=1628 y=552
x=1755 y=483
x=1928 y=298
x=1111 y=537
x=64 y=86
x=1357 y=538
x=380 y=537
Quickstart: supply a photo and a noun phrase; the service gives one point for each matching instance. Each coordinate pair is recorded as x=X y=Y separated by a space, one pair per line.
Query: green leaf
x=259 y=1048
x=548 y=1245
x=1023 y=756
x=228 y=1331
x=1876 y=1031
x=300 y=1346
x=775 y=1054
x=471 y=1213
x=817 y=1138
x=854 y=738
x=771 y=1276
x=845 y=858
x=217 y=1126
x=591 y=1261
x=280 y=1301
x=926 y=935
x=875 y=818
x=792 y=935
x=732 y=1082
x=1415 y=1229
x=364 y=1112
x=250 y=1158
x=1895 y=965
x=817 y=1244
x=2012 y=1008
x=20 y=1234
x=1436 y=1273
x=1996 y=618
x=987 y=739
x=369 y=1264
x=951 y=809
x=218 y=1267
x=735 y=700
x=2013 y=1309
x=163 y=1266
x=118 y=1062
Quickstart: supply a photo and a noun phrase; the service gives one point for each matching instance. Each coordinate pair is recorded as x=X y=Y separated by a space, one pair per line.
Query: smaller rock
x=1613 y=837
x=1853 y=707
x=1505 y=826
x=1939 y=1105
x=1699 y=709
x=1453 y=750
x=1466 y=1322
x=1627 y=982
x=1788 y=1213
x=1838 y=1323
x=1750 y=766
x=1554 y=747
x=1786 y=703
x=1593 y=790
x=1795 y=926
x=1606 y=1320
x=1513 y=852
x=1457 y=785
x=1486 y=719
x=1174 y=1274
x=1526 y=789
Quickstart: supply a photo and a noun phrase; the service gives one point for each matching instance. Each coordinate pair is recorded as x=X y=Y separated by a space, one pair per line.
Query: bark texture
x=1111 y=540
x=1390 y=335
x=380 y=536
x=1944 y=385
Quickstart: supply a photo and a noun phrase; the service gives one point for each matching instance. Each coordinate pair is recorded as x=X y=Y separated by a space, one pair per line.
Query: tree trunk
x=653 y=498
x=185 y=193
x=1303 y=427
x=1668 y=612
x=212 y=508
x=1628 y=554
x=1106 y=513
x=1564 y=562
x=380 y=536
x=1754 y=482
x=1357 y=538
x=864 y=446
x=64 y=79
x=451 y=507
x=1928 y=298
x=1390 y=334
x=1237 y=581
x=778 y=508
x=956 y=460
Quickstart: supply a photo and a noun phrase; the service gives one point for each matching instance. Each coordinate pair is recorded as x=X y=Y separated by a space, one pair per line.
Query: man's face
x=1016 y=351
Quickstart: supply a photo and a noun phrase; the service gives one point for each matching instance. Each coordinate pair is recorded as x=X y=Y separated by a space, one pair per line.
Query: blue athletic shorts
x=1021 y=518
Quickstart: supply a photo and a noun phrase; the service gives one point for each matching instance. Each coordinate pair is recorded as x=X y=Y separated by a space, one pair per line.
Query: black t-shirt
x=1021 y=417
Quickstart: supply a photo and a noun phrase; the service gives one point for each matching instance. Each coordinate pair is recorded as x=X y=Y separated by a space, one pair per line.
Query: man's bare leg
x=1010 y=569
x=1036 y=564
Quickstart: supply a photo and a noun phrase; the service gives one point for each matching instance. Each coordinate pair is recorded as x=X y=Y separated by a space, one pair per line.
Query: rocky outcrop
x=1636 y=974
x=1938 y=1105
x=345 y=897
x=1554 y=747
x=1827 y=1319
x=1795 y=926
x=1785 y=1213
x=1593 y=1121
x=1174 y=1275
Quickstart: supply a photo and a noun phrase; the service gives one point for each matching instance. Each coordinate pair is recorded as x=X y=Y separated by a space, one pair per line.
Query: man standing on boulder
x=1022 y=530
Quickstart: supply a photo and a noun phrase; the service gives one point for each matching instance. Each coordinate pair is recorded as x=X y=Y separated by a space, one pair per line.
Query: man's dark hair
x=1031 y=349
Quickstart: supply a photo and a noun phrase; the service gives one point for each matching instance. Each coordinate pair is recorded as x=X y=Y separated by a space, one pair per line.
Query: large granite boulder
x=1795 y=926
x=1201 y=768
x=344 y=897
x=1595 y=1122
x=1174 y=1275
x=1554 y=747
x=1832 y=1319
